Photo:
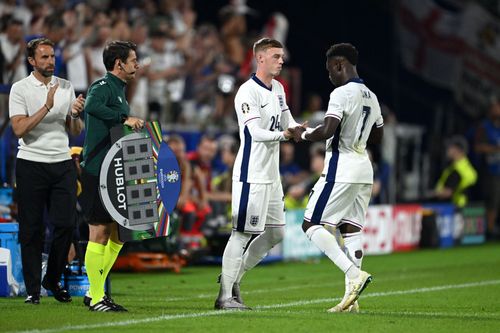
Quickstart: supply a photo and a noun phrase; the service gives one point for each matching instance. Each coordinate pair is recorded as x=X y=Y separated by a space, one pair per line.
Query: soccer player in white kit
x=257 y=194
x=340 y=197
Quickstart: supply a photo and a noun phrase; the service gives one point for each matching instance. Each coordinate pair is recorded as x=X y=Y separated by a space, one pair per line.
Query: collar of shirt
x=38 y=83
x=260 y=83
x=116 y=80
x=356 y=80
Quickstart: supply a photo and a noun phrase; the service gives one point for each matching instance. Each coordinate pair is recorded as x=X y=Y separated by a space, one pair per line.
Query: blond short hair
x=266 y=43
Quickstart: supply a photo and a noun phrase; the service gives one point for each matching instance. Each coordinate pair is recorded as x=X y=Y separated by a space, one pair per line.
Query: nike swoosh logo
x=263 y=106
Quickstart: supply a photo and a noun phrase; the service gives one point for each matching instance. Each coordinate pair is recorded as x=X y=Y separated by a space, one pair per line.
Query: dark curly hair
x=345 y=50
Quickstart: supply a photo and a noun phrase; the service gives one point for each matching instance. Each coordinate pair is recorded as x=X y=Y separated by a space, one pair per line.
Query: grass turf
x=452 y=290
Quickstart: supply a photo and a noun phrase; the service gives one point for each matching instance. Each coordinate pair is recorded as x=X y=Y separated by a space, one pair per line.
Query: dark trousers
x=40 y=186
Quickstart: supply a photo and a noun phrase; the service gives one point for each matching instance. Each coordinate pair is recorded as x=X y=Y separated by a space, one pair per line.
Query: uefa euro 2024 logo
x=172 y=176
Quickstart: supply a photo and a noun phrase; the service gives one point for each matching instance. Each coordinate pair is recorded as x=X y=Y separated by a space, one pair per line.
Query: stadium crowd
x=189 y=73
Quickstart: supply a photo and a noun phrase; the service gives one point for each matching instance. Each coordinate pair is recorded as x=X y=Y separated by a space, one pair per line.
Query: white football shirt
x=262 y=115
x=357 y=108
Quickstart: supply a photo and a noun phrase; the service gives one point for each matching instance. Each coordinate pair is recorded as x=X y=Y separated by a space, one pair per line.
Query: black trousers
x=40 y=186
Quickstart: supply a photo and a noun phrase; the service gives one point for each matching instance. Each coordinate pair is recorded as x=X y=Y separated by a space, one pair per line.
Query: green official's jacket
x=105 y=107
x=468 y=177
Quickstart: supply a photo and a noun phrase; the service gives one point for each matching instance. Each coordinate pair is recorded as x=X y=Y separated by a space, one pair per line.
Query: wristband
x=123 y=118
x=74 y=117
x=48 y=110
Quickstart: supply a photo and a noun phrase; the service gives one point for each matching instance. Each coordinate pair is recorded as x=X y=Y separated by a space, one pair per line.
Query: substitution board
x=140 y=180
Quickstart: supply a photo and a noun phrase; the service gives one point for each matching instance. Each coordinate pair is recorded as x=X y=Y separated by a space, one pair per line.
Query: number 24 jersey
x=262 y=115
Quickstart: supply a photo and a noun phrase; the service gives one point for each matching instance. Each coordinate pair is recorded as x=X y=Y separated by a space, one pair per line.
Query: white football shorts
x=257 y=206
x=338 y=203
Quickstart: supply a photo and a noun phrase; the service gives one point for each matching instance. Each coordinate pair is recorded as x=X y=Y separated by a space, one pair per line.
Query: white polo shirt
x=48 y=141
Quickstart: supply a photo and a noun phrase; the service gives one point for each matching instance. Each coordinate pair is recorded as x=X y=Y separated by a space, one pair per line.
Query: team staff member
x=105 y=108
x=458 y=177
x=43 y=109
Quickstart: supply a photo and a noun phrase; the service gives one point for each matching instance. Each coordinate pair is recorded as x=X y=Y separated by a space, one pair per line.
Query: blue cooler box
x=4 y=285
x=9 y=240
x=77 y=285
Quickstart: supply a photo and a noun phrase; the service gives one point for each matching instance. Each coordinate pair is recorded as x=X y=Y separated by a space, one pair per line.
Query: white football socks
x=352 y=244
x=327 y=243
x=231 y=261
x=354 y=247
x=259 y=248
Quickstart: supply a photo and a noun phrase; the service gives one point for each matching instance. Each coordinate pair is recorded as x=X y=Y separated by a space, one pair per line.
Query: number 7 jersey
x=357 y=108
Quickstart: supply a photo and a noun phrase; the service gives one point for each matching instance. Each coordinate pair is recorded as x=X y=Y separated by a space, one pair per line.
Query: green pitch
x=454 y=290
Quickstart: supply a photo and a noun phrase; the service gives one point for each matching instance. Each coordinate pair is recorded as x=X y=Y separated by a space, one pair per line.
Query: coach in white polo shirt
x=43 y=109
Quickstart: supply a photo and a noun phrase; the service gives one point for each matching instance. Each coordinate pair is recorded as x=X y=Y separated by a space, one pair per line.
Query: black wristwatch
x=123 y=118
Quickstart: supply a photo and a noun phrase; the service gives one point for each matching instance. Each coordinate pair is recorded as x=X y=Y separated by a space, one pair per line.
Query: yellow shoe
x=356 y=287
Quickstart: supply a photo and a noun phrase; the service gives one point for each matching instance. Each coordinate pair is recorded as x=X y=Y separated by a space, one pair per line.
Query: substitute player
x=257 y=194
x=341 y=195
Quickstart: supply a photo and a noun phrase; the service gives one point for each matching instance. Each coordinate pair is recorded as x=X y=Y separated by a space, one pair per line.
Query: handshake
x=295 y=133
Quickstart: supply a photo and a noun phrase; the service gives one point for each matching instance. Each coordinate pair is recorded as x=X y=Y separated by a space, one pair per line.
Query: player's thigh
x=249 y=206
x=329 y=202
x=276 y=209
x=357 y=213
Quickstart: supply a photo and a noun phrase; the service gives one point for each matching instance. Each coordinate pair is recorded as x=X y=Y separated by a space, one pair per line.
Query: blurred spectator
x=184 y=30
x=73 y=54
x=488 y=144
x=179 y=15
x=220 y=196
x=233 y=31
x=388 y=153
x=166 y=77
x=291 y=172
x=120 y=29
x=157 y=74
x=276 y=27
x=138 y=90
x=317 y=152
x=297 y=195
x=17 y=11
x=458 y=177
x=101 y=36
x=58 y=5
x=40 y=11
x=202 y=159
x=381 y=175
x=206 y=52
x=201 y=163
x=55 y=30
x=185 y=204
x=12 y=60
x=389 y=141
x=314 y=112
x=12 y=47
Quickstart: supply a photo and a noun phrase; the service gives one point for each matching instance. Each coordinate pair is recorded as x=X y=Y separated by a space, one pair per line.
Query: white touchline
x=382 y=294
x=262 y=307
x=473 y=315
x=262 y=291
